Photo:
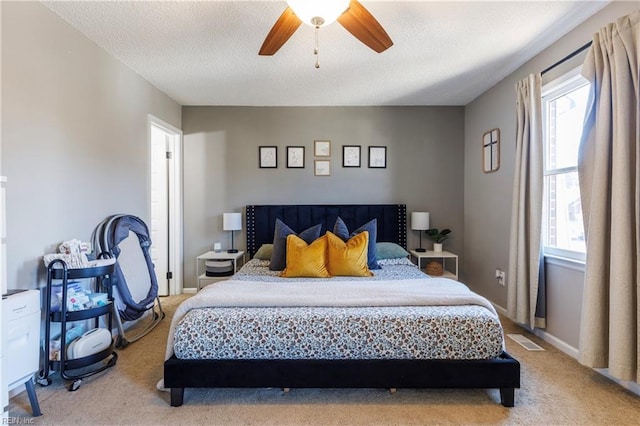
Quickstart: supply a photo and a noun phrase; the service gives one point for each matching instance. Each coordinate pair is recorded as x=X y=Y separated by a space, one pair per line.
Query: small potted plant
x=438 y=237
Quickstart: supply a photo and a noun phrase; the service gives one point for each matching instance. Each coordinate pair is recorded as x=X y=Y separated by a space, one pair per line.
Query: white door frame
x=175 y=205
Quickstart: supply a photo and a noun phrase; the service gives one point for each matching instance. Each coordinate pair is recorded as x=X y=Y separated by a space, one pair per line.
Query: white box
x=91 y=342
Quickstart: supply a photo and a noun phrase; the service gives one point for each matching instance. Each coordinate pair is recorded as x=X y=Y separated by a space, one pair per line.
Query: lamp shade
x=419 y=221
x=232 y=221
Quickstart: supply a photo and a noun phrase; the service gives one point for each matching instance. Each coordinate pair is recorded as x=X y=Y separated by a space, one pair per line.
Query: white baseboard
x=191 y=290
x=557 y=343
x=573 y=353
x=631 y=386
x=499 y=308
x=17 y=390
x=549 y=338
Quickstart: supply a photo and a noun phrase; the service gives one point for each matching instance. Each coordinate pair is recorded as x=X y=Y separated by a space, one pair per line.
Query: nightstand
x=236 y=258
x=441 y=255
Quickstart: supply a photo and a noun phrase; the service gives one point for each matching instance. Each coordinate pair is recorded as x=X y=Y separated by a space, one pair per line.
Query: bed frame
x=502 y=373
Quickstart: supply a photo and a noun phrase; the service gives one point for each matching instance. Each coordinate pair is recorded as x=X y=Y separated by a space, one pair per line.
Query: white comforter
x=333 y=292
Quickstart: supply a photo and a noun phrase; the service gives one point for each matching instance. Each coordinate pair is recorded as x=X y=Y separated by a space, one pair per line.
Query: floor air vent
x=525 y=342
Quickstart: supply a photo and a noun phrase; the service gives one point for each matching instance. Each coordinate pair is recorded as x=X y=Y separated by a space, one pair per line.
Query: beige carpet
x=555 y=390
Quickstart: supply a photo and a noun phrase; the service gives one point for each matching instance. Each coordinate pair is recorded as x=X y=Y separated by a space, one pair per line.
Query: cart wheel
x=123 y=343
x=120 y=342
x=111 y=362
x=163 y=315
x=44 y=381
x=75 y=385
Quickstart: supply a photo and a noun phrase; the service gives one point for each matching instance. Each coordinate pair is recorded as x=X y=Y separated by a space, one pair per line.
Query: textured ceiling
x=206 y=52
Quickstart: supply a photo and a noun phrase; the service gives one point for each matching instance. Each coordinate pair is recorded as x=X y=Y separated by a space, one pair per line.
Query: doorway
x=166 y=205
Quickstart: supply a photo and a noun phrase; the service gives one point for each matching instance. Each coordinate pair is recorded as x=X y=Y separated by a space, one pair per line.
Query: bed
x=310 y=338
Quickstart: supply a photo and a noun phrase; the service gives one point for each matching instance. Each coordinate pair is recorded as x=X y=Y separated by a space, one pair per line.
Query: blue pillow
x=389 y=251
x=340 y=229
x=279 y=254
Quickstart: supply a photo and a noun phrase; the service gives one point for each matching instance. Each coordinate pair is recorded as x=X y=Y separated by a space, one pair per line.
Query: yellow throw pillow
x=348 y=258
x=306 y=260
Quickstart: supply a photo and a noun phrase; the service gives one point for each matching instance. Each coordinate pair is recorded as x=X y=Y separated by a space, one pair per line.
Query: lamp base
x=232 y=251
x=421 y=250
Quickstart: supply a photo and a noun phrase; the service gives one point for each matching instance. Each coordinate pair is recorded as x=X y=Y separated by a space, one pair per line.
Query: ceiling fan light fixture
x=318 y=13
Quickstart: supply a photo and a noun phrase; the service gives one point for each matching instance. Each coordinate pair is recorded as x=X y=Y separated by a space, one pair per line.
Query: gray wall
x=74 y=147
x=425 y=149
x=487 y=199
x=74 y=136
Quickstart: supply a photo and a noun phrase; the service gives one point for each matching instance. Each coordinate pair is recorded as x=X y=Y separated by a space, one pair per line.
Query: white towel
x=76 y=260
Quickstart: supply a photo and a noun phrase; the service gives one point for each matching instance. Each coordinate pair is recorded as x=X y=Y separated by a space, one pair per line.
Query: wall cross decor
x=491 y=151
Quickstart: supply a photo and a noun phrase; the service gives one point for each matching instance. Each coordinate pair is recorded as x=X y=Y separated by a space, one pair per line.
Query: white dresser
x=21 y=341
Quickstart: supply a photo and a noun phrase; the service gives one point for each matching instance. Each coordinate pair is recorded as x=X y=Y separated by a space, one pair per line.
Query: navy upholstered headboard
x=392 y=220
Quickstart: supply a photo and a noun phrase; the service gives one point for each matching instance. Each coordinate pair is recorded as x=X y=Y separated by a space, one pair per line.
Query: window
x=564 y=101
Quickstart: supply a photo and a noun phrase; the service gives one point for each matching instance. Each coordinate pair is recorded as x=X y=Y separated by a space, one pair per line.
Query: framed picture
x=322 y=168
x=378 y=157
x=268 y=157
x=491 y=151
x=350 y=155
x=322 y=148
x=295 y=157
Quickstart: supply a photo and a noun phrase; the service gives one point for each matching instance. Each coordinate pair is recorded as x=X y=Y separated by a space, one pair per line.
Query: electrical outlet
x=500 y=276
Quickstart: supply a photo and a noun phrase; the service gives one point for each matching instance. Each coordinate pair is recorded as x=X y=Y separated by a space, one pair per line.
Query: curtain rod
x=566 y=58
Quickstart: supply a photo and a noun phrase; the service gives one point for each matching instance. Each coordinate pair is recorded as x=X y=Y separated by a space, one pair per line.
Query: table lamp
x=420 y=222
x=232 y=222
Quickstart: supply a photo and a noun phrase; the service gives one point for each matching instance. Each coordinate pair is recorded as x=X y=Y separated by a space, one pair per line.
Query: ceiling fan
x=352 y=15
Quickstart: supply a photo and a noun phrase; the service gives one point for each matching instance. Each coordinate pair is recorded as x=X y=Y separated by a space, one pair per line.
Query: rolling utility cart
x=97 y=354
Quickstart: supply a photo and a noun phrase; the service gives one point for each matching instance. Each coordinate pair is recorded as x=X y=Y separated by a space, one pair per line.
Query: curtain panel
x=609 y=173
x=525 y=287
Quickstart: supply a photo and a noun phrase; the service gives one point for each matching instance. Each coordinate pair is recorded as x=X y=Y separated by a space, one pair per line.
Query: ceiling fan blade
x=361 y=23
x=282 y=30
